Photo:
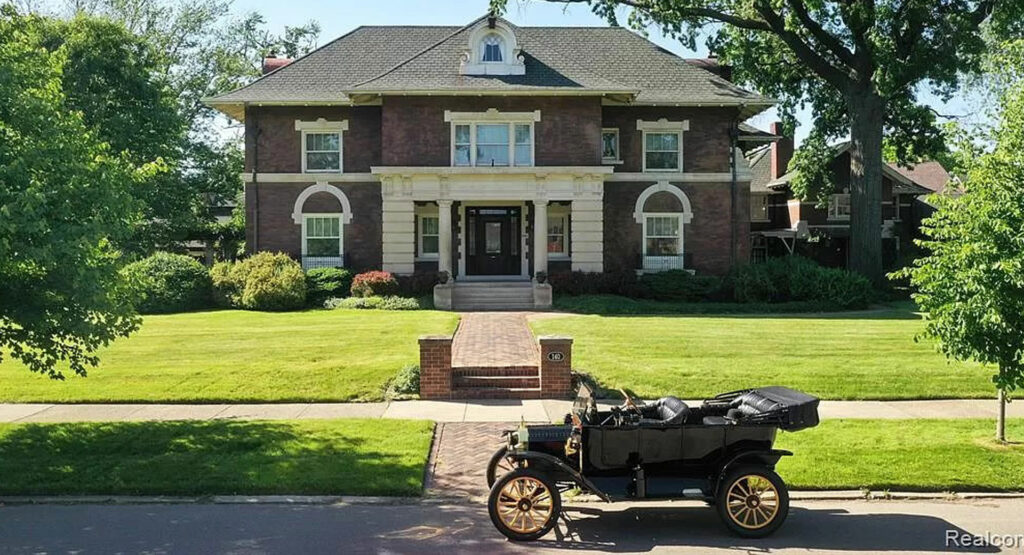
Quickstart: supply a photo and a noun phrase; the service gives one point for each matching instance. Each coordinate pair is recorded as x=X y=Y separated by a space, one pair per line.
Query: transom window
x=492 y=144
x=322 y=236
x=492 y=49
x=662 y=151
x=610 y=146
x=839 y=207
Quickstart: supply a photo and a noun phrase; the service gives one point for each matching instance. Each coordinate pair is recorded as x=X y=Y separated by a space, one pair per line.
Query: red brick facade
x=436 y=367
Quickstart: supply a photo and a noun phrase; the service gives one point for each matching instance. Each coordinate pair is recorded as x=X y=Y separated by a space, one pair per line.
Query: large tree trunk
x=867 y=111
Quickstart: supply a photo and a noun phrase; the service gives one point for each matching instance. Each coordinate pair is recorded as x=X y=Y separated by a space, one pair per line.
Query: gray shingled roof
x=760 y=169
x=391 y=59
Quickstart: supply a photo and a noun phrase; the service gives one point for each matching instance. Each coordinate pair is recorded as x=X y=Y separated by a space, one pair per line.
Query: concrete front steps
x=498 y=382
x=493 y=295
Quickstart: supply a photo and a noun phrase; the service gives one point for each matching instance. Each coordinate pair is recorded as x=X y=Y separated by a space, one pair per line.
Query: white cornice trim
x=321 y=124
x=492 y=114
x=663 y=125
x=271 y=178
x=688 y=177
x=488 y=170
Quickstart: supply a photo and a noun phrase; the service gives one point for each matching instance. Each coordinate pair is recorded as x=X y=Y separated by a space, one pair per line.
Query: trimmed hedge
x=167 y=282
x=325 y=283
x=374 y=284
x=374 y=302
x=264 y=281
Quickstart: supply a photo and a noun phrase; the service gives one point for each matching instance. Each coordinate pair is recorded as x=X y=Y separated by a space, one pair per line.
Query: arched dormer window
x=492 y=47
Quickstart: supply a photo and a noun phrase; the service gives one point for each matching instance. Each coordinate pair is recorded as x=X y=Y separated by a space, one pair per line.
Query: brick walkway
x=459 y=456
x=494 y=339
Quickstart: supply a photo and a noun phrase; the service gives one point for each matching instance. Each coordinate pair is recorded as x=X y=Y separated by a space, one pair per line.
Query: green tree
x=857 y=63
x=65 y=202
x=971 y=283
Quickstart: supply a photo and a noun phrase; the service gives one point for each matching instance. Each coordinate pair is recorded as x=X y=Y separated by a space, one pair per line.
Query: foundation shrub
x=375 y=283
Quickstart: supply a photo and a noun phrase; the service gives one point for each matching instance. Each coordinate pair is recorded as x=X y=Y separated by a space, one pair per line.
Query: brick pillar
x=555 y=366
x=435 y=367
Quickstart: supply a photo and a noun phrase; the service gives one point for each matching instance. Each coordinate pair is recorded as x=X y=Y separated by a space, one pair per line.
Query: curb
x=844 y=495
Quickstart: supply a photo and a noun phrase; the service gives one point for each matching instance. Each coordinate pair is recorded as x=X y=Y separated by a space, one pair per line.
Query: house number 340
x=556 y=356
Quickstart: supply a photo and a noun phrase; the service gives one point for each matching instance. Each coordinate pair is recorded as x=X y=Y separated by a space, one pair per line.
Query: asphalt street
x=812 y=527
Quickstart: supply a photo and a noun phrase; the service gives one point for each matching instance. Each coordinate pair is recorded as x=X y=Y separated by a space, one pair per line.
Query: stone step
x=492 y=382
x=496 y=393
x=495 y=307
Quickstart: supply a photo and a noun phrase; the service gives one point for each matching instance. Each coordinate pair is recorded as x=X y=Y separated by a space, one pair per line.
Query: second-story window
x=322 y=148
x=661 y=151
x=610 y=146
x=492 y=144
x=759 y=208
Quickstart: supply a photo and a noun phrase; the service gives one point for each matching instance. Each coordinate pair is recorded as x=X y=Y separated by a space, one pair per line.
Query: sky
x=341 y=16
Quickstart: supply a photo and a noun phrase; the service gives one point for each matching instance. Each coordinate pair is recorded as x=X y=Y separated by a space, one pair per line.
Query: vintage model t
x=719 y=452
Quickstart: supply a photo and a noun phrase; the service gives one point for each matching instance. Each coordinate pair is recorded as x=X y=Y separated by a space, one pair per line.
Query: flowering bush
x=375 y=283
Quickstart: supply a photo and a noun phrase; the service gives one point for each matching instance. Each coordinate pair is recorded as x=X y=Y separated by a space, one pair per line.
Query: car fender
x=578 y=478
x=766 y=457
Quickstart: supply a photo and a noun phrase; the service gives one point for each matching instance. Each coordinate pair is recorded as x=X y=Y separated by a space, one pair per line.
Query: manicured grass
x=853 y=355
x=906 y=455
x=614 y=304
x=227 y=356
x=351 y=457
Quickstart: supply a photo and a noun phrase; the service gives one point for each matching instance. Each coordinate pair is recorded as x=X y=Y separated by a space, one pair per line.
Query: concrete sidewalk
x=452 y=411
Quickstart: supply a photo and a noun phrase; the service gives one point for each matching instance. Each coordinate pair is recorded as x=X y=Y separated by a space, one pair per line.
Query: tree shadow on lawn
x=641 y=529
x=202 y=458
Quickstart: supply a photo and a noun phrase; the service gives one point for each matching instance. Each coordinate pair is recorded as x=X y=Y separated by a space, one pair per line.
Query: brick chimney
x=273 y=62
x=782 y=151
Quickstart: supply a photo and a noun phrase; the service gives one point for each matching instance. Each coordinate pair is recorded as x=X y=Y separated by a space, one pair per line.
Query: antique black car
x=719 y=452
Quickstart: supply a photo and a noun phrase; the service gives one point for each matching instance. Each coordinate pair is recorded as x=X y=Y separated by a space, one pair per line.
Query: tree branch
x=708 y=13
x=830 y=73
x=827 y=40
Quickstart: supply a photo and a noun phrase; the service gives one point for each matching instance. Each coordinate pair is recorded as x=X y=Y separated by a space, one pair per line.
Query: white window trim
x=493 y=116
x=502 y=48
x=559 y=211
x=833 y=205
x=662 y=126
x=321 y=125
x=341 y=232
x=618 y=146
x=428 y=211
x=765 y=201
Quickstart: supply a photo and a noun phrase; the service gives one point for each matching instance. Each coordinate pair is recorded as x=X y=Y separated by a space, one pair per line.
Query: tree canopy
x=858 y=64
x=65 y=203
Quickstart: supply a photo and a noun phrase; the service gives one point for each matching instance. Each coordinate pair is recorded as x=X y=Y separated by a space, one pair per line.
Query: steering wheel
x=628 y=402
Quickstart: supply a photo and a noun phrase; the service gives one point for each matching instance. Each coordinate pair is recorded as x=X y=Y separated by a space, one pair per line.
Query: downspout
x=733 y=136
x=255 y=190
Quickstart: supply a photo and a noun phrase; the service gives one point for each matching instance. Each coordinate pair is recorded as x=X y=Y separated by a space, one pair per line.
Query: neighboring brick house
x=447 y=148
x=781 y=224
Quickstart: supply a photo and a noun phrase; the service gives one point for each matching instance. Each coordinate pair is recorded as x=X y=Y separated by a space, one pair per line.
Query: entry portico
x=493 y=221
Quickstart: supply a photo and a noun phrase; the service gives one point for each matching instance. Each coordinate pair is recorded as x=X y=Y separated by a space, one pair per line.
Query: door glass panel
x=492 y=237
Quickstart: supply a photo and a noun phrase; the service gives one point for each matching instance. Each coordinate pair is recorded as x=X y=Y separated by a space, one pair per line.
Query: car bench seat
x=667 y=411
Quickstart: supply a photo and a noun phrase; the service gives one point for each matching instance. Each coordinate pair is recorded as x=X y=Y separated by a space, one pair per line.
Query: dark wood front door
x=493 y=241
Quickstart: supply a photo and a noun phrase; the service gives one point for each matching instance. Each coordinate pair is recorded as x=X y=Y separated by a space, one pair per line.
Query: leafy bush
x=594 y=283
x=795 y=278
x=168 y=282
x=375 y=283
x=405 y=384
x=324 y=283
x=679 y=285
x=377 y=302
x=264 y=281
x=419 y=284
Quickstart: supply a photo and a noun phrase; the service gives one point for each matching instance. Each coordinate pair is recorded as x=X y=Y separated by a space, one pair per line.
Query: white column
x=540 y=235
x=444 y=222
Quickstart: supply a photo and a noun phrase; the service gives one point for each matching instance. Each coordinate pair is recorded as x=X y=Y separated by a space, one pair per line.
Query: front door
x=493 y=241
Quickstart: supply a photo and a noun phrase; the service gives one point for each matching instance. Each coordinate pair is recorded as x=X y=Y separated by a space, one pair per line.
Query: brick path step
x=493 y=295
x=505 y=382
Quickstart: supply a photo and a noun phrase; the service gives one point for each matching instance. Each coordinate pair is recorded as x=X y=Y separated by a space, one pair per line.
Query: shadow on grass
x=611 y=305
x=206 y=458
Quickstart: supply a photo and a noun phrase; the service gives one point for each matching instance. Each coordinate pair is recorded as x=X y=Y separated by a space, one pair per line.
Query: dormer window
x=492 y=49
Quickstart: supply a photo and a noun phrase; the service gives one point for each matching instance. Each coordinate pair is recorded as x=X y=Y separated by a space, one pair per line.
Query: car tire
x=752 y=501
x=524 y=505
x=498 y=466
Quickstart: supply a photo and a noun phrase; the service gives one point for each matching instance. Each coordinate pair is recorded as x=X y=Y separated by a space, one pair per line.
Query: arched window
x=662 y=210
x=323 y=225
x=492 y=49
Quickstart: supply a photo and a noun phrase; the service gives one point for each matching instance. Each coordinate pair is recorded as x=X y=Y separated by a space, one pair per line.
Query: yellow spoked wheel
x=753 y=501
x=524 y=504
x=499 y=465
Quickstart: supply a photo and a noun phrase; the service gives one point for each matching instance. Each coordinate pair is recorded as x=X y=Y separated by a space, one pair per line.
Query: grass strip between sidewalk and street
x=218 y=457
x=904 y=455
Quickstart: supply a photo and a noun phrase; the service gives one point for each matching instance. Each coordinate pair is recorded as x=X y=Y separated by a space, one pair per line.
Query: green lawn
x=854 y=355
x=351 y=457
x=317 y=355
x=907 y=455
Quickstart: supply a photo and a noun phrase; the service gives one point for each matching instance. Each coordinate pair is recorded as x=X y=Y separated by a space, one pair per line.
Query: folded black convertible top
x=786 y=408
